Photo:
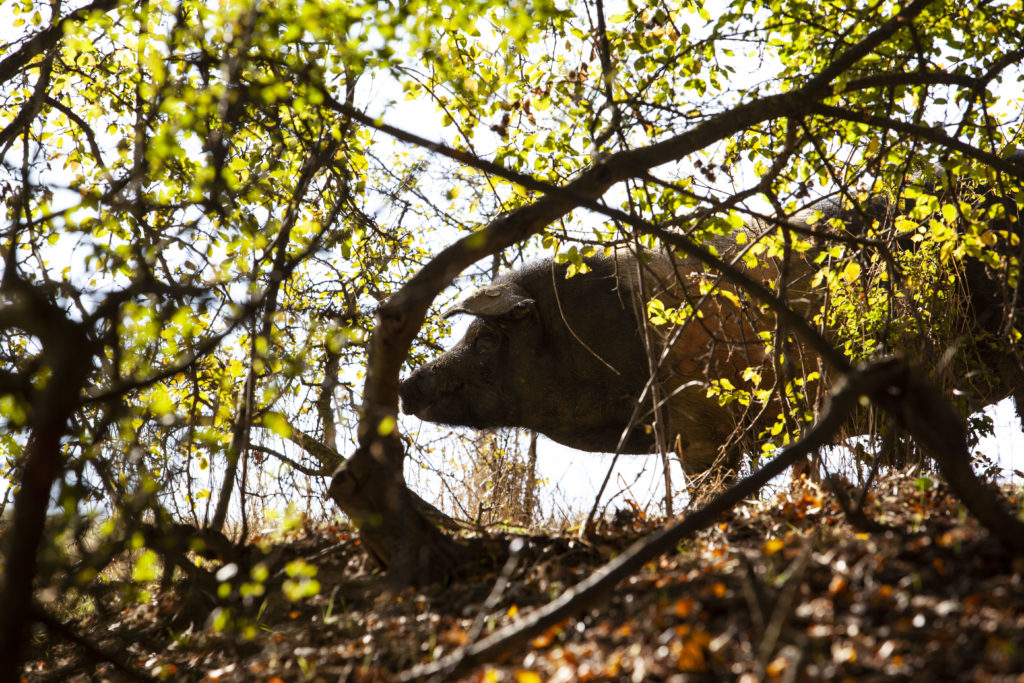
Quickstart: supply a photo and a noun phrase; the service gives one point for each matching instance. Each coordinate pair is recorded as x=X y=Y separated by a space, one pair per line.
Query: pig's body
x=568 y=358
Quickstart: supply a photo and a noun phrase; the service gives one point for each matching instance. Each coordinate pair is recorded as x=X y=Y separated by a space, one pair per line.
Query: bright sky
x=572 y=478
x=575 y=476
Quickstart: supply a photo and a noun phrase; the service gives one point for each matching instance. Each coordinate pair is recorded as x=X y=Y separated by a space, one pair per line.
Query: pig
x=570 y=358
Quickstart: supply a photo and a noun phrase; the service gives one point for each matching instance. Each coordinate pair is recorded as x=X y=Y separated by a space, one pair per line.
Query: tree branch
x=93 y=652
x=45 y=39
x=845 y=61
x=1011 y=166
x=67 y=353
x=84 y=127
x=33 y=106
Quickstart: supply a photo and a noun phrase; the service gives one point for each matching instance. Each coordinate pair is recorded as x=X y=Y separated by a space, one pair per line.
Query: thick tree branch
x=33 y=106
x=67 y=354
x=45 y=39
x=897 y=79
x=862 y=49
x=1009 y=165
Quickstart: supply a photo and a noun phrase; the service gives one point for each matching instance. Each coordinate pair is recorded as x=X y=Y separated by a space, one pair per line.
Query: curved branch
x=47 y=38
x=896 y=79
x=86 y=130
x=1011 y=166
x=34 y=104
x=902 y=78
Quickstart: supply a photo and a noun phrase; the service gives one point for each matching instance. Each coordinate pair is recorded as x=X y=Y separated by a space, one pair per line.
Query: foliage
x=200 y=220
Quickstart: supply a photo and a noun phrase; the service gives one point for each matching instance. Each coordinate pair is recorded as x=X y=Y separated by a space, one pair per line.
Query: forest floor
x=785 y=589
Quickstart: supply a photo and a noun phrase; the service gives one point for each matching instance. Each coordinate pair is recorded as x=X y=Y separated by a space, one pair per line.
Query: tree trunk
x=371 y=490
x=66 y=351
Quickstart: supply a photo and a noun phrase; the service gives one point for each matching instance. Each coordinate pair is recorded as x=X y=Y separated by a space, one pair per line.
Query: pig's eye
x=487 y=341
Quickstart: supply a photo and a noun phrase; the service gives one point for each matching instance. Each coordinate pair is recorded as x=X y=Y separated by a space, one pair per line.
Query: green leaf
x=147 y=567
x=277 y=423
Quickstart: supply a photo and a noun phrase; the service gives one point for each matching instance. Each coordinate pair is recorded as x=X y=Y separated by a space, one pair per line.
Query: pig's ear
x=495 y=301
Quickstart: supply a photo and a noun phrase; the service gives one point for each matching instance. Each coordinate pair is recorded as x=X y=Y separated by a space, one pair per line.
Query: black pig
x=568 y=358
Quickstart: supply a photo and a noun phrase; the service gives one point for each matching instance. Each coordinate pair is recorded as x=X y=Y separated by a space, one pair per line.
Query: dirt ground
x=782 y=590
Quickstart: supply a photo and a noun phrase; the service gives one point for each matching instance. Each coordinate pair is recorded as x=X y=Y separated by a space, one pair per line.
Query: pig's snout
x=411 y=393
x=419 y=391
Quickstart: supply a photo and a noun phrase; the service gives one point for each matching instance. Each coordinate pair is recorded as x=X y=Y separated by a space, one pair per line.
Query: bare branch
x=83 y=126
x=93 y=651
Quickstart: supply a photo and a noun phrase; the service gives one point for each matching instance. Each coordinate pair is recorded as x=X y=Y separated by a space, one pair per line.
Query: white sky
x=573 y=477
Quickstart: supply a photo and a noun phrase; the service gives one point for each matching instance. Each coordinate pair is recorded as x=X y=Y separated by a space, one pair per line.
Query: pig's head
x=466 y=385
x=560 y=356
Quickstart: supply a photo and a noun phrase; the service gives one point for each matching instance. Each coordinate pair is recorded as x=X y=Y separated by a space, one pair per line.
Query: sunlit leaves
x=301 y=582
x=181 y=169
x=185 y=190
x=146 y=567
